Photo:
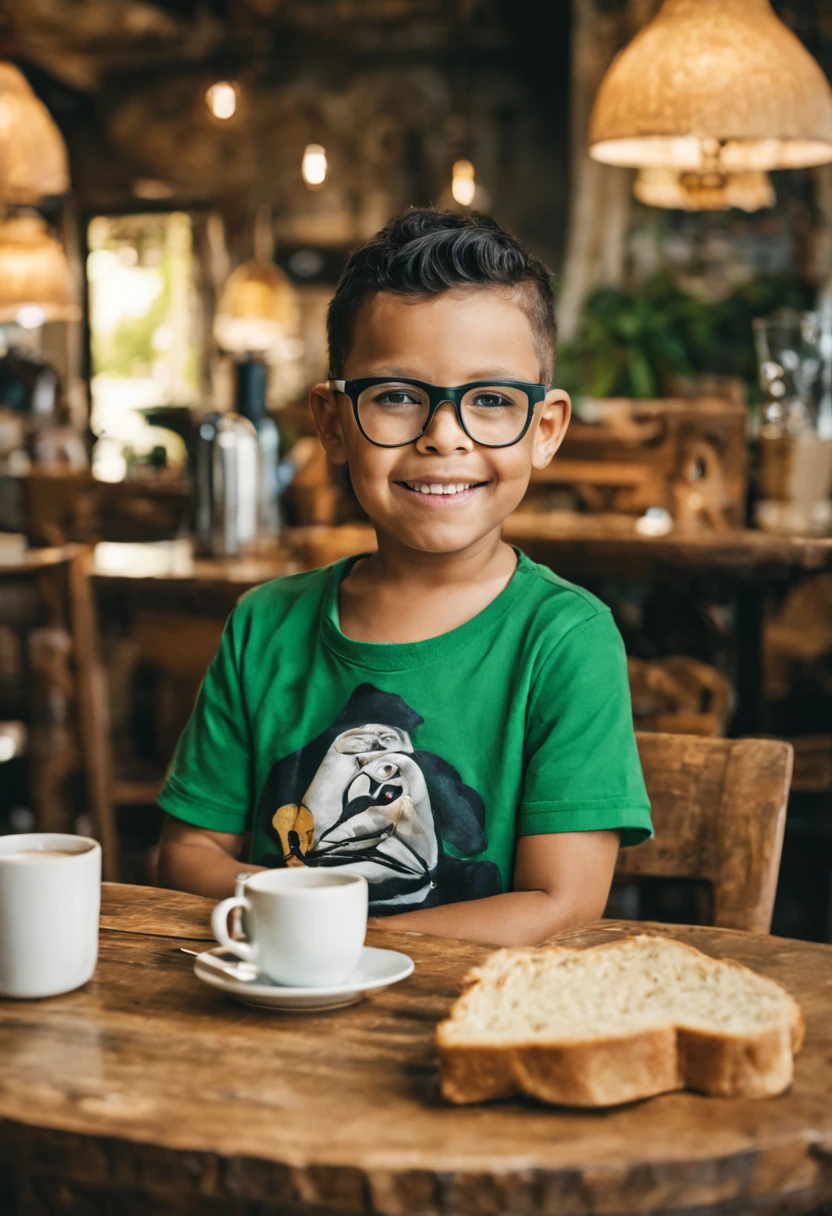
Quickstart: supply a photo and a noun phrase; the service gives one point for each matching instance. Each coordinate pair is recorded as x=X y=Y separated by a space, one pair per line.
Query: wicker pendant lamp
x=33 y=161
x=704 y=191
x=713 y=85
x=34 y=274
x=257 y=309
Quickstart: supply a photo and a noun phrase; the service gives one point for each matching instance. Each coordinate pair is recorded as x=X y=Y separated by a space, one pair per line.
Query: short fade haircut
x=424 y=252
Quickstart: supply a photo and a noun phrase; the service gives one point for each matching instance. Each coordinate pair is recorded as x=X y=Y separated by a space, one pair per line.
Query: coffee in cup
x=50 y=892
x=37 y=854
x=305 y=927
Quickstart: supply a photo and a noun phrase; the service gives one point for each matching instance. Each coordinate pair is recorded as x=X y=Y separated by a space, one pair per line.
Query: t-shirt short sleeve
x=582 y=766
x=209 y=782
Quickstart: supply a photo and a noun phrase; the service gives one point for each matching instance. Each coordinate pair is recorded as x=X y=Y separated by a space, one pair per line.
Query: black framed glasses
x=391 y=413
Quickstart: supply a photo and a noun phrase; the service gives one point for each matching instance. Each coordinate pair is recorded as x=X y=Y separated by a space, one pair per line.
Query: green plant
x=641 y=342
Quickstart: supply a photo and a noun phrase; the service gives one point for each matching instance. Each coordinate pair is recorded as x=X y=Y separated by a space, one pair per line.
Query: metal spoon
x=246 y=972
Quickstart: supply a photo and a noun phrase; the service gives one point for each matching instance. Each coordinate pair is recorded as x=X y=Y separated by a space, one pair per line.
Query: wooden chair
x=47 y=594
x=719 y=810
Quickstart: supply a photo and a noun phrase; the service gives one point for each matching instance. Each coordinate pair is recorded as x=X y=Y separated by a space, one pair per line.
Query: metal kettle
x=228 y=473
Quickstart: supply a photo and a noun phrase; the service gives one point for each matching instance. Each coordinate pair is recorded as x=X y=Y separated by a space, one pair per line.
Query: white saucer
x=375 y=969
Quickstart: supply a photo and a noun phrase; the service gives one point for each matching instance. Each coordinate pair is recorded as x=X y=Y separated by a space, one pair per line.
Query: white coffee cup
x=306 y=928
x=50 y=896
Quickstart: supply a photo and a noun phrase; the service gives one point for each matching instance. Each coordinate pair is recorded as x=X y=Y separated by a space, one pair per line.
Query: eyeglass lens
x=396 y=413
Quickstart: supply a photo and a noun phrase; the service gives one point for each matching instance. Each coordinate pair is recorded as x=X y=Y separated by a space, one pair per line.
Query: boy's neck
x=394 y=562
x=399 y=594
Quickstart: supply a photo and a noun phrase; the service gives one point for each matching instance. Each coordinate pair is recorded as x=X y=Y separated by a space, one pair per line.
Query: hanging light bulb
x=31 y=316
x=314 y=165
x=463 y=186
x=748 y=191
x=221 y=99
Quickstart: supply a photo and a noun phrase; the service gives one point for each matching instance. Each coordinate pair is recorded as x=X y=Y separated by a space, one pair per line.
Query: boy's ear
x=552 y=422
x=324 y=406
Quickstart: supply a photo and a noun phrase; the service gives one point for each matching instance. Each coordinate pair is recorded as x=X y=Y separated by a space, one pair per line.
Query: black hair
x=423 y=252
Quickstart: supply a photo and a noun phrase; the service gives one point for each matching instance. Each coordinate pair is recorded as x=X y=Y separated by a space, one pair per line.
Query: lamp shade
x=33 y=161
x=713 y=82
x=704 y=191
x=257 y=309
x=34 y=274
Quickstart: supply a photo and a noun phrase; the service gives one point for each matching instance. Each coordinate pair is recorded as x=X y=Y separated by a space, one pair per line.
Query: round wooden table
x=146 y=1092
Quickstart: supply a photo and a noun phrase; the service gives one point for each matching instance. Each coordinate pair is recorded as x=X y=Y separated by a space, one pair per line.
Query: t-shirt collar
x=400 y=656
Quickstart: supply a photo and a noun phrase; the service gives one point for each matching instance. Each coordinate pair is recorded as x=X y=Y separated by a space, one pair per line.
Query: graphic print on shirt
x=361 y=796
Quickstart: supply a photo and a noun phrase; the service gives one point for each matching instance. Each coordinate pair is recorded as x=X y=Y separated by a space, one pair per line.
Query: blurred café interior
x=181 y=182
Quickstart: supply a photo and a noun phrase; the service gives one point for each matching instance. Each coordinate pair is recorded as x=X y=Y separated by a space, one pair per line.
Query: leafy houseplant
x=641 y=342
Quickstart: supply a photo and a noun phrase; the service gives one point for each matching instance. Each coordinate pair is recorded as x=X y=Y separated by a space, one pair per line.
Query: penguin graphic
x=361 y=796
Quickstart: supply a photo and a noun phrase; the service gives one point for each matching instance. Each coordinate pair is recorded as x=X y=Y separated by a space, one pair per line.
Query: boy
x=443 y=716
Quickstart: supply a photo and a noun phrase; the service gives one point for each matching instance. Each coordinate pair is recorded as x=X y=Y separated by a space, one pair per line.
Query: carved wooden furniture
x=147 y=1092
x=719 y=811
x=679 y=695
x=688 y=456
x=46 y=595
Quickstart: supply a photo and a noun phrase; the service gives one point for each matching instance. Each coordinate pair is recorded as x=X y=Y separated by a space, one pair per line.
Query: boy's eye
x=399 y=396
x=490 y=401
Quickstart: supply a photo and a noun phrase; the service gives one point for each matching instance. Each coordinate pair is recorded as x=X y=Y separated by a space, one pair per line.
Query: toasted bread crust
x=612 y=1071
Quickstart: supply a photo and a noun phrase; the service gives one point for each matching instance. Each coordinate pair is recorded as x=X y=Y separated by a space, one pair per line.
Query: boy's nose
x=444 y=433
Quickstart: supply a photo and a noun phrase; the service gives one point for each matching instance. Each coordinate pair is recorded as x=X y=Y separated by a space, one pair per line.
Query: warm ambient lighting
x=463 y=186
x=257 y=310
x=704 y=191
x=31 y=316
x=221 y=99
x=314 y=166
x=34 y=275
x=33 y=161
x=710 y=85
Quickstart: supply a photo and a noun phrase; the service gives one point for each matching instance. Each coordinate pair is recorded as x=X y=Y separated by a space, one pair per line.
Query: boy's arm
x=198 y=860
x=560 y=879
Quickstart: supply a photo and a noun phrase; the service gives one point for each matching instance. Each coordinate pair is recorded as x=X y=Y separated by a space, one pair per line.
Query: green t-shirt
x=416 y=764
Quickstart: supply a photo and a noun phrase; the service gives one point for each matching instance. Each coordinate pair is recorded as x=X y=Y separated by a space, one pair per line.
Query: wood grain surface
x=148 y=1092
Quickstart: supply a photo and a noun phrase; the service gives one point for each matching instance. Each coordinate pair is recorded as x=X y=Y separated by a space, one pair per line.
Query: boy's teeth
x=435 y=488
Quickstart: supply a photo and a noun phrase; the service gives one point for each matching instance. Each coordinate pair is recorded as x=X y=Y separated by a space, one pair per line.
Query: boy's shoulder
x=281 y=594
x=555 y=605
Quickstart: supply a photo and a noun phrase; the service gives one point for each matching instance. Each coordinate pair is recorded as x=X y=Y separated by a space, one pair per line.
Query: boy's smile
x=443 y=492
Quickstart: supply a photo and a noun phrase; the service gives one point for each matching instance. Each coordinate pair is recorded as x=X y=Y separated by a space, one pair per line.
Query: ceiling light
x=463 y=186
x=257 y=310
x=33 y=161
x=31 y=316
x=710 y=83
x=221 y=99
x=704 y=191
x=34 y=274
x=314 y=165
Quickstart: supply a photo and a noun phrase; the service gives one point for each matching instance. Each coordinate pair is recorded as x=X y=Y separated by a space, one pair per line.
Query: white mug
x=306 y=927
x=50 y=895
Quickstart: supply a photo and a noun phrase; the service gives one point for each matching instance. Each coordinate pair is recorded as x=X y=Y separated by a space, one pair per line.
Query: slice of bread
x=615 y=1023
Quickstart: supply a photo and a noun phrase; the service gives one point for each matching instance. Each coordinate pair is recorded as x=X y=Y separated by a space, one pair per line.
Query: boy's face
x=449 y=339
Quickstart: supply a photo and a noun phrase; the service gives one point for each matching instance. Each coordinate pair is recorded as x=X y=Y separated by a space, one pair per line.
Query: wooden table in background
x=166 y=575
x=577 y=546
x=745 y=562
x=147 y=1092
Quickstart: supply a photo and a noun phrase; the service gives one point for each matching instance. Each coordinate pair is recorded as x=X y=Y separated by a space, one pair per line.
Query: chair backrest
x=719 y=811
